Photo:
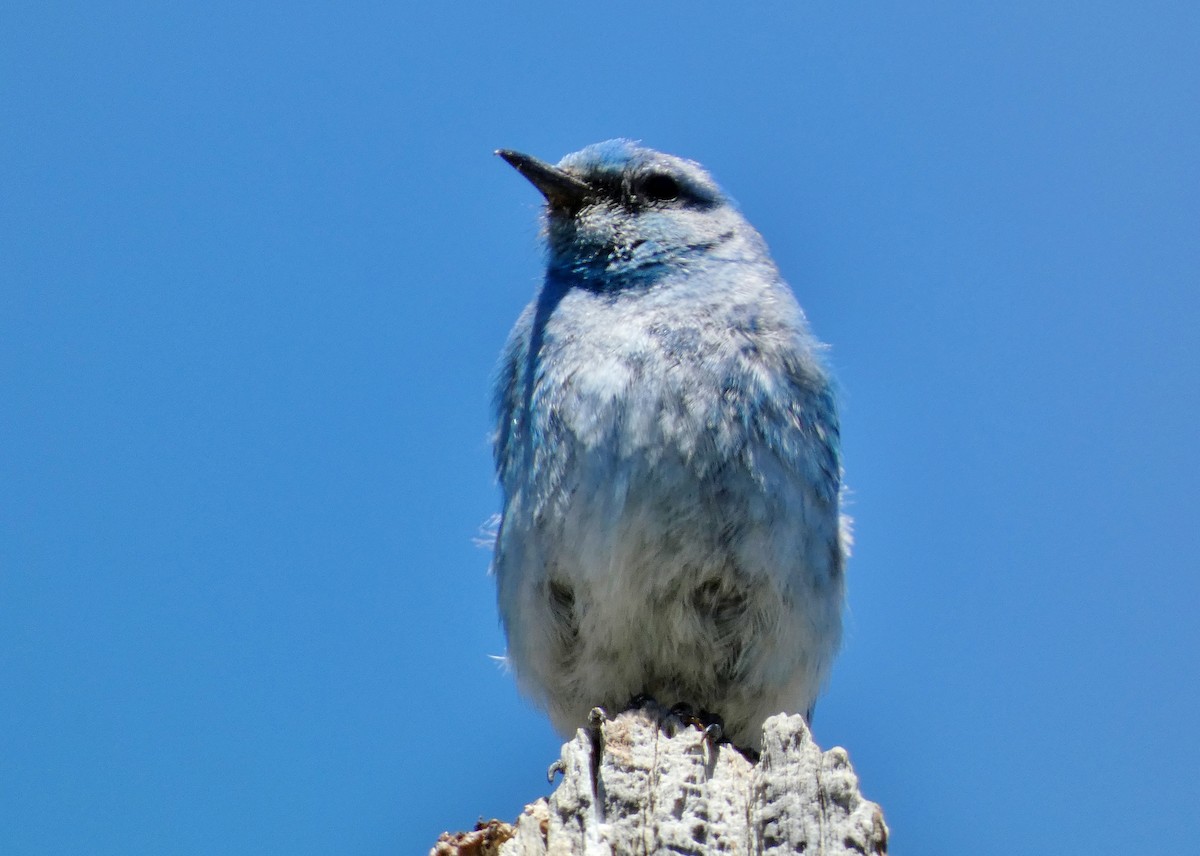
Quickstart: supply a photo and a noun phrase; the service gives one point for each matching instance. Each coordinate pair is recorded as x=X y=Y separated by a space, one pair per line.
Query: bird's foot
x=641 y=701
x=710 y=723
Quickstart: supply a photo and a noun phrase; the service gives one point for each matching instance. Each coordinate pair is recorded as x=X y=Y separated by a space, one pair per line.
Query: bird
x=667 y=448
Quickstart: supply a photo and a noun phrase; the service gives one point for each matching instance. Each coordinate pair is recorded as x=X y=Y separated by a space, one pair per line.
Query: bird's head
x=618 y=213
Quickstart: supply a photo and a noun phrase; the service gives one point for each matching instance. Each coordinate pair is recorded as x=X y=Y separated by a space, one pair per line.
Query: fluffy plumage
x=667 y=445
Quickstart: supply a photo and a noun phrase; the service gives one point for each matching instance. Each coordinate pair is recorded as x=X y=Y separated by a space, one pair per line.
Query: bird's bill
x=560 y=188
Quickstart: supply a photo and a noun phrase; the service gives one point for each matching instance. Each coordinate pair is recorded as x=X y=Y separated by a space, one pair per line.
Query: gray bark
x=645 y=784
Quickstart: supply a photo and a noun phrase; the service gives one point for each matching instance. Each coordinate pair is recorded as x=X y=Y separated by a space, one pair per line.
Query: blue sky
x=256 y=263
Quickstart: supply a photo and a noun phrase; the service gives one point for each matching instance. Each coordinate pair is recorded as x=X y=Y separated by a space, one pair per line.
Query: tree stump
x=644 y=783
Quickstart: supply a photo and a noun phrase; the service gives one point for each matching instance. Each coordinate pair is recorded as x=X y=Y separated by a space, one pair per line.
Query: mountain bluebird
x=667 y=445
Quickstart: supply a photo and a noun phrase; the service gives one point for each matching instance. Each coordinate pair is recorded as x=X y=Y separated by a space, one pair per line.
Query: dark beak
x=561 y=189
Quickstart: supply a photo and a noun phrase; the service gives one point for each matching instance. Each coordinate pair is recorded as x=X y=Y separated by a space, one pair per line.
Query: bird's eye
x=659 y=187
